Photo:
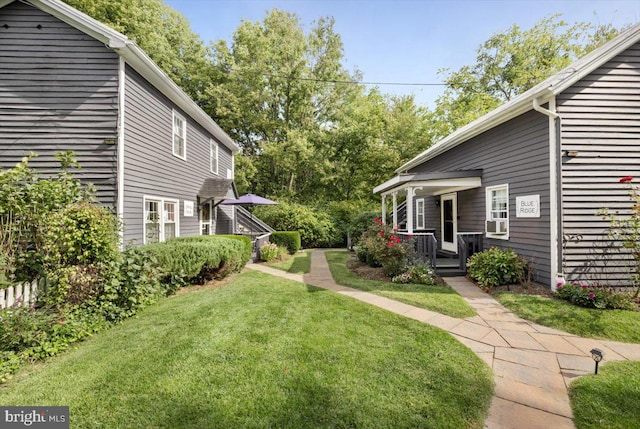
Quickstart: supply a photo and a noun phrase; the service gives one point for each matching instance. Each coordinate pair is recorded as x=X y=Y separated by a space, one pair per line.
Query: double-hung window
x=213 y=156
x=498 y=211
x=179 y=136
x=420 y=219
x=160 y=219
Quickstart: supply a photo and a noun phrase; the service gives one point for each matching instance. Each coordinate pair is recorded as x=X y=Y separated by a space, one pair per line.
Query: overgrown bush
x=269 y=252
x=495 y=267
x=287 y=239
x=26 y=202
x=595 y=297
x=315 y=226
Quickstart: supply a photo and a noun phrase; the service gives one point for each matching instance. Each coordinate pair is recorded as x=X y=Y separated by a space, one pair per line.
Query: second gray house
x=68 y=82
x=533 y=174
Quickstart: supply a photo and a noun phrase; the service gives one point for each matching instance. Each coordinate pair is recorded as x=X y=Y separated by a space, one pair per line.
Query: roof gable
x=135 y=57
x=542 y=92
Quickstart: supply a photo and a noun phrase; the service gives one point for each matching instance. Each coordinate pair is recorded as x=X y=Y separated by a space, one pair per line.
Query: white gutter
x=555 y=191
x=120 y=148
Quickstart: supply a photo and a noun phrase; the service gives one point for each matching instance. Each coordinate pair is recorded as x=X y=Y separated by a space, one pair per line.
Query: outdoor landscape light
x=597 y=355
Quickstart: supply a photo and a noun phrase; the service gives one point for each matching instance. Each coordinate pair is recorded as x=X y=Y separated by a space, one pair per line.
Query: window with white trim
x=420 y=219
x=179 y=136
x=213 y=156
x=498 y=211
x=160 y=219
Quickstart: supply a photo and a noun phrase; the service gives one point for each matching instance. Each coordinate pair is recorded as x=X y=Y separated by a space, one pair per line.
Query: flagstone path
x=532 y=364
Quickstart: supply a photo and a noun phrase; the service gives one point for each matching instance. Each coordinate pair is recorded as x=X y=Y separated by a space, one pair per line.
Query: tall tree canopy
x=309 y=132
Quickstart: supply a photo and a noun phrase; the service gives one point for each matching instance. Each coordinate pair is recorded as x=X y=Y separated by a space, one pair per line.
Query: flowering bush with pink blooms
x=380 y=246
x=595 y=297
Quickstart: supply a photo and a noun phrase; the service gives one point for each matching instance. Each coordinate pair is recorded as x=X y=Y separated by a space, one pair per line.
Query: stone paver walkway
x=532 y=364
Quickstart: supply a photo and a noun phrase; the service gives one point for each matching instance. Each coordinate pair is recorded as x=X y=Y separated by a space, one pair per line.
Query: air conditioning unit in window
x=497 y=226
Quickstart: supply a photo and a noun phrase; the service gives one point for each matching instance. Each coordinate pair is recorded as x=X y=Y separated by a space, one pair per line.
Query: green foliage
x=381 y=246
x=361 y=223
x=625 y=229
x=287 y=239
x=495 y=267
x=79 y=253
x=26 y=202
x=417 y=273
x=595 y=297
x=269 y=252
x=315 y=226
x=28 y=334
x=246 y=242
x=195 y=260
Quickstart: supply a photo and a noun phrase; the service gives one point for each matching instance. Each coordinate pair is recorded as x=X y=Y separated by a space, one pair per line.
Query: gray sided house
x=68 y=82
x=533 y=174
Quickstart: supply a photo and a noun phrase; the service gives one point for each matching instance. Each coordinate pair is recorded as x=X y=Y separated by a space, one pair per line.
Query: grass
x=263 y=352
x=438 y=298
x=617 y=325
x=608 y=400
x=300 y=263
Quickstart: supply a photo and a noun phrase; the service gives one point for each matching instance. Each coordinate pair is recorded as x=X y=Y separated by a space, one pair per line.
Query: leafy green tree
x=162 y=32
x=508 y=64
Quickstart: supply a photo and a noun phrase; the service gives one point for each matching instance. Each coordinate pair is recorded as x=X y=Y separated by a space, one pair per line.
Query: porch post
x=384 y=209
x=395 y=209
x=410 y=194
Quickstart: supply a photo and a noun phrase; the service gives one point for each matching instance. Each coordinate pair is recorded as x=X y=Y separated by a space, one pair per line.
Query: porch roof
x=434 y=183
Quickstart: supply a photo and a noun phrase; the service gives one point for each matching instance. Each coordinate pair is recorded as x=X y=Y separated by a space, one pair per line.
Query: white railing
x=23 y=294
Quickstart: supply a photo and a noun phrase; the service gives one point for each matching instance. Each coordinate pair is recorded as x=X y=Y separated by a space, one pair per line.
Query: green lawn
x=300 y=263
x=608 y=400
x=438 y=298
x=263 y=352
x=618 y=325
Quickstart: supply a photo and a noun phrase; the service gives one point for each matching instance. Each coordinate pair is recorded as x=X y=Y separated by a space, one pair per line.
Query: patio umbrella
x=250 y=200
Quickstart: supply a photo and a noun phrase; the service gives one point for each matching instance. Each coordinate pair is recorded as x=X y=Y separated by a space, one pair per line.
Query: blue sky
x=406 y=40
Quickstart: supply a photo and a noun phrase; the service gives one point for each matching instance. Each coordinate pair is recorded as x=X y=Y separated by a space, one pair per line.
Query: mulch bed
x=370 y=273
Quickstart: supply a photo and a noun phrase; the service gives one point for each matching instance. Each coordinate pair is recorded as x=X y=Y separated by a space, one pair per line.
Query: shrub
x=288 y=239
x=595 y=297
x=361 y=223
x=79 y=253
x=381 y=246
x=315 y=226
x=246 y=241
x=418 y=273
x=495 y=267
x=194 y=260
x=269 y=252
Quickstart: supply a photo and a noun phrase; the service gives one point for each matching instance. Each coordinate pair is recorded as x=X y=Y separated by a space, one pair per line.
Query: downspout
x=555 y=189
x=120 y=148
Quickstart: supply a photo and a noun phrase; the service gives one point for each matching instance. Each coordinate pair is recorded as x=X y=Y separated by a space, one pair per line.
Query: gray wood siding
x=601 y=121
x=514 y=153
x=150 y=168
x=58 y=92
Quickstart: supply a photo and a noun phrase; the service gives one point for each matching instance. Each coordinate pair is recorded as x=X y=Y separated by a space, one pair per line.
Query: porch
x=429 y=215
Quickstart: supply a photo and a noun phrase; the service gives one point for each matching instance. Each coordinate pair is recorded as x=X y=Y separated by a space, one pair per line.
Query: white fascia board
x=393 y=181
x=139 y=60
x=442 y=186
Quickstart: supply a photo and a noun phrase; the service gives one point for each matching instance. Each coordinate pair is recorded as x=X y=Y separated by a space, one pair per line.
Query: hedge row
x=289 y=239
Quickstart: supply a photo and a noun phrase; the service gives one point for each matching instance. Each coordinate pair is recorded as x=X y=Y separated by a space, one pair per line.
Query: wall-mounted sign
x=188 y=208
x=528 y=206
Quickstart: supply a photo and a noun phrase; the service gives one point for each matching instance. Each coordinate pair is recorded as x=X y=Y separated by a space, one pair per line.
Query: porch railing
x=259 y=242
x=468 y=244
x=425 y=244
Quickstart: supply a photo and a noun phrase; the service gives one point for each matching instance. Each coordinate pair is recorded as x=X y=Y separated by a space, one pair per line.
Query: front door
x=449 y=222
